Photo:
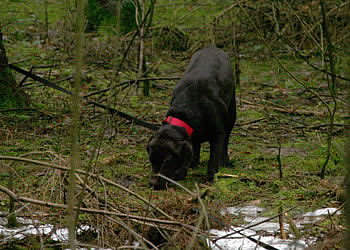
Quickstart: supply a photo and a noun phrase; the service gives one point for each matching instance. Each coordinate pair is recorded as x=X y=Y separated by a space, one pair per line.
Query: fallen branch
x=227 y=176
x=128 y=117
x=79 y=171
x=284 y=110
x=89 y=210
x=250 y=122
x=39 y=79
x=221 y=223
x=178 y=184
x=21 y=83
x=140 y=238
x=253 y=225
x=111 y=110
x=130 y=82
x=344 y=126
x=17 y=109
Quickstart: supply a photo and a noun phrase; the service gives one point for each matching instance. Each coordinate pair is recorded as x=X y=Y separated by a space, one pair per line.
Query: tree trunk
x=9 y=97
x=141 y=48
x=46 y=22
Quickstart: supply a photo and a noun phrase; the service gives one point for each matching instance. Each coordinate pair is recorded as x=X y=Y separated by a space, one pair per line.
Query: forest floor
x=273 y=112
x=271 y=109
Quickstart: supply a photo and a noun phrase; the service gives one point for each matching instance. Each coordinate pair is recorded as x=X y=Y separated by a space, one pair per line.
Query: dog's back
x=206 y=86
x=209 y=63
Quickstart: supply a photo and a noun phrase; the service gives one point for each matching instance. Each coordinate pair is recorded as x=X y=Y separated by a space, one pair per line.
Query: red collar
x=177 y=122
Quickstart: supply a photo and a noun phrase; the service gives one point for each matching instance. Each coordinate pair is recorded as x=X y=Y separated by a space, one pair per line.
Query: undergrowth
x=271 y=108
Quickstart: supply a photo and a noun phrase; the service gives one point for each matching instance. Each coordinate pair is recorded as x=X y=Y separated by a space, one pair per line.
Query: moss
x=10 y=99
x=12 y=221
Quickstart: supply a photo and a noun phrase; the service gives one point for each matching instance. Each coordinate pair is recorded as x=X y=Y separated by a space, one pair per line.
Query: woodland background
x=120 y=60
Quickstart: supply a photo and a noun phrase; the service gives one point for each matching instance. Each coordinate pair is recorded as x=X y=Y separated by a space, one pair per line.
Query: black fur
x=205 y=99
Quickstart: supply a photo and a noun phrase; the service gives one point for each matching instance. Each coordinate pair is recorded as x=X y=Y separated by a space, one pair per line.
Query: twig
x=141 y=65
x=39 y=79
x=20 y=84
x=250 y=122
x=111 y=110
x=176 y=183
x=128 y=117
x=140 y=238
x=224 y=176
x=194 y=233
x=282 y=65
x=258 y=242
x=130 y=82
x=280 y=219
x=90 y=210
x=79 y=171
x=278 y=157
x=96 y=150
x=17 y=109
x=292 y=46
x=253 y=225
x=64 y=79
x=93 y=193
x=331 y=87
x=345 y=126
x=127 y=50
x=329 y=215
x=283 y=110
x=35 y=224
x=203 y=206
x=305 y=26
x=204 y=210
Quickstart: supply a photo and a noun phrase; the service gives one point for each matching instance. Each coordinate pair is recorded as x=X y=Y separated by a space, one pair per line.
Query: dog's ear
x=185 y=154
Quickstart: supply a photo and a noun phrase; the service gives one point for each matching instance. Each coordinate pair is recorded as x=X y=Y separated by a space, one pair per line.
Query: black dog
x=202 y=109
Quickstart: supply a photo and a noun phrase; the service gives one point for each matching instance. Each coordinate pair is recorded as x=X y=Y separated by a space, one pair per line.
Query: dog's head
x=170 y=153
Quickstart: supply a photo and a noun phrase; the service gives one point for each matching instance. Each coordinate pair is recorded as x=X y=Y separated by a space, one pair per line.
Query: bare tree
x=143 y=24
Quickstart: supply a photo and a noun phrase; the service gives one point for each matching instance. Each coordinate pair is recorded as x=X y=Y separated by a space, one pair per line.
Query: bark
x=331 y=87
x=46 y=21
x=142 y=65
x=75 y=157
x=9 y=97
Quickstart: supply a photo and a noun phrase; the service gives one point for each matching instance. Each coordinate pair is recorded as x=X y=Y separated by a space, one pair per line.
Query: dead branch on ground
x=91 y=210
x=79 y=171
x=111 y=110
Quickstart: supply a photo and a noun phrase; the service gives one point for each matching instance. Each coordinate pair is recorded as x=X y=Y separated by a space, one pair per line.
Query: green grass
x=22 y=12
x=253 y=147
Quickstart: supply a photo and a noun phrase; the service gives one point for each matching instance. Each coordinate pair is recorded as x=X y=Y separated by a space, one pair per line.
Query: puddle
x=266 y=231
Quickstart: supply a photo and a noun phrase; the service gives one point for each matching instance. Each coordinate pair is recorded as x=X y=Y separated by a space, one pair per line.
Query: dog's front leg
x=216 y=151
x=196 y=147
